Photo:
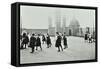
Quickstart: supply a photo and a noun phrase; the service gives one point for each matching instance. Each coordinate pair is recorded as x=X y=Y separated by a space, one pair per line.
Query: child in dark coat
x=38 y=42
x=32 y=42
x=58 y=42
x=48 y=41
x=65 y=42
x=25 y=40
x=43 y=39
x=86 y=37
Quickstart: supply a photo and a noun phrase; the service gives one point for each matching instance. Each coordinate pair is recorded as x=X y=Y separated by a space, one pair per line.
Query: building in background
x=74 y=28
x=60 y=26
x=51 y=29
x=58 y=21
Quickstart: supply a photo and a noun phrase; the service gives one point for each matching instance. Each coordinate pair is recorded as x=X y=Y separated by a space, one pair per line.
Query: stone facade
x=71 y=30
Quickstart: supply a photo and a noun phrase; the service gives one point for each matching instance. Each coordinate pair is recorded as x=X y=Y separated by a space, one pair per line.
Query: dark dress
x=32 y=42
x=86 y=36
x=90 y=38
x=25 y=40
x=43 y=38
x=65 y=40
x=48 y=40
x=58 y=41
x=38 y=42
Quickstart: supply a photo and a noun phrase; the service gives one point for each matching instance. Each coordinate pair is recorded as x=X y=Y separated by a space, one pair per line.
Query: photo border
x=18 y=4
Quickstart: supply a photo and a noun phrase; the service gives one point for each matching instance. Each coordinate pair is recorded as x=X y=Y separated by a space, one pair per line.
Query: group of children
x=58 y=43
x=35 y=41
x=89 y=38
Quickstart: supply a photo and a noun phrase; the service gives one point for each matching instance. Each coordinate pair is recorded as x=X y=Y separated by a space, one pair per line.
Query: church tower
x=51 y=29
x=64 y=24
x=58 y=21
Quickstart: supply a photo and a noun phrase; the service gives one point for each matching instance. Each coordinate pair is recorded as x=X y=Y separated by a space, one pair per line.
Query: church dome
x=74 y=23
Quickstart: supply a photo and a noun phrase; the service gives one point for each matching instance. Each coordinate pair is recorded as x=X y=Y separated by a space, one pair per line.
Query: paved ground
x=77 y=50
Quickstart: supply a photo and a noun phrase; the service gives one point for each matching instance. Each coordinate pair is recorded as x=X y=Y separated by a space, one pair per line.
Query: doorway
x=70 y=32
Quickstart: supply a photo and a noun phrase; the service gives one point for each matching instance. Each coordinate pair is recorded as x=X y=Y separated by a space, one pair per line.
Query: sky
x=33 y=17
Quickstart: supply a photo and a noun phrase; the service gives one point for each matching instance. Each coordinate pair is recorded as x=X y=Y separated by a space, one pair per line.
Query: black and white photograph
x=50 y=34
